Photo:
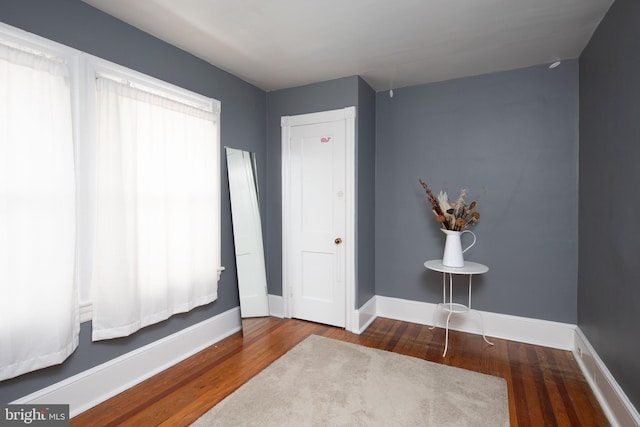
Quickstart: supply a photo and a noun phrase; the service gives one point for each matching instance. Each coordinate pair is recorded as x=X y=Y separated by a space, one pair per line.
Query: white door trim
x=287 y=122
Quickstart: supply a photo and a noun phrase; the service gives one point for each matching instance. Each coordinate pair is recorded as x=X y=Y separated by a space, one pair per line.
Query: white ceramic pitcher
x=453 y=248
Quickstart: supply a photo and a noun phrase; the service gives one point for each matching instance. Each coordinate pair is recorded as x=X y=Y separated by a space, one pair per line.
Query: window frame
x=84 y=68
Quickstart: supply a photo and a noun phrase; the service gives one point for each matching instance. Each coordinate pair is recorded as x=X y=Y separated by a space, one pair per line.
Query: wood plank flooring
x=546 y=386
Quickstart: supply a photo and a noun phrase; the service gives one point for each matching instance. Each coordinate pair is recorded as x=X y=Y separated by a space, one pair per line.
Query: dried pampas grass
x=453 y=216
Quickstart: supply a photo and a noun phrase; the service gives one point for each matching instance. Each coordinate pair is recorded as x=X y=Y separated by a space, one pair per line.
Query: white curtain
x=157 y=238
x=39 y=323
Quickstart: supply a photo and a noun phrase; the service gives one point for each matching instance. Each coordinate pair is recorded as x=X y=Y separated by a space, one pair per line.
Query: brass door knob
x=338 y=240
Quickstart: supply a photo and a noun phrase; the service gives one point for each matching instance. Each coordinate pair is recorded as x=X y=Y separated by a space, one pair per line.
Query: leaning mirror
x=247 y=233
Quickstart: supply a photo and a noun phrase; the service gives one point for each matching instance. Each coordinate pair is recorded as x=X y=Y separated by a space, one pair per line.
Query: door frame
x=348 y=115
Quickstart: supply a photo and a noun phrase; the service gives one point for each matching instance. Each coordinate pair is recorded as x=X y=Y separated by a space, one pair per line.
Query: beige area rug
x=325 y=382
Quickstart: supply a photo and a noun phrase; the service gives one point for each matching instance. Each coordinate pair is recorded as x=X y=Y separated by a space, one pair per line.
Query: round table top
x=469 y=267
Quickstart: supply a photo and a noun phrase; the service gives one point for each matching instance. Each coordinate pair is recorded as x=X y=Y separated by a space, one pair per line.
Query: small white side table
x=470 y=268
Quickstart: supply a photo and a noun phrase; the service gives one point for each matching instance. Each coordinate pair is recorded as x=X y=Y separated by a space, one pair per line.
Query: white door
x=316 y=227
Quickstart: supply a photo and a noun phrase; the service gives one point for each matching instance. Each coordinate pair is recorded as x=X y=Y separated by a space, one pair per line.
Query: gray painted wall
x=75 y=24
x=512 y=139
x=330 y=95
x=609 y=279
x=365 y=185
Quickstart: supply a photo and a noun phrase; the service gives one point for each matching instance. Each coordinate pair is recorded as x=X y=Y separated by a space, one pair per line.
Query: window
x=157 y=206
x=109 y=195
x=38 y=309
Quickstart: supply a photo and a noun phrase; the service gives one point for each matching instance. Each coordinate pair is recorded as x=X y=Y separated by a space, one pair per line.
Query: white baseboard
x=532 y=331
x=361 y=318
x=514 y=328
x=93 y=386
x=619 y=410
x=364 y=316
x=276 y=306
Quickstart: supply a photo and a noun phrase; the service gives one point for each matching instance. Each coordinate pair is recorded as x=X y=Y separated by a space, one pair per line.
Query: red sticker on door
x=325 y=139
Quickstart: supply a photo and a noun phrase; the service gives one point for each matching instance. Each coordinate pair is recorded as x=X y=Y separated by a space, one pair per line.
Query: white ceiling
x=277 y=44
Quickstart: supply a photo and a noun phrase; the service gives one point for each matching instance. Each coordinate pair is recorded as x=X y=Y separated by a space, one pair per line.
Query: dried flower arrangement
x=453 y=216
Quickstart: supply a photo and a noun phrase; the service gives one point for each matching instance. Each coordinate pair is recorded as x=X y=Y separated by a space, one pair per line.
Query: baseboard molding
x=531 y=331
x=615 y=403
x=364 y=316
x=89 y=388
x=276 y=306
x=361 y=318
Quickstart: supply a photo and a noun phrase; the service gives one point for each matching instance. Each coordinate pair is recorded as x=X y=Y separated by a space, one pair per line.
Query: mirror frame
x=247 y=233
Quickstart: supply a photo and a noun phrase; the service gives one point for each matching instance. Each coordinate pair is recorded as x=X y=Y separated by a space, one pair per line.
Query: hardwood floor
x=546 y=386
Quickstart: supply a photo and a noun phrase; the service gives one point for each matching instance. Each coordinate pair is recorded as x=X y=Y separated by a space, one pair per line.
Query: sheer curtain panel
x=39 y=323
x=157 y=244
